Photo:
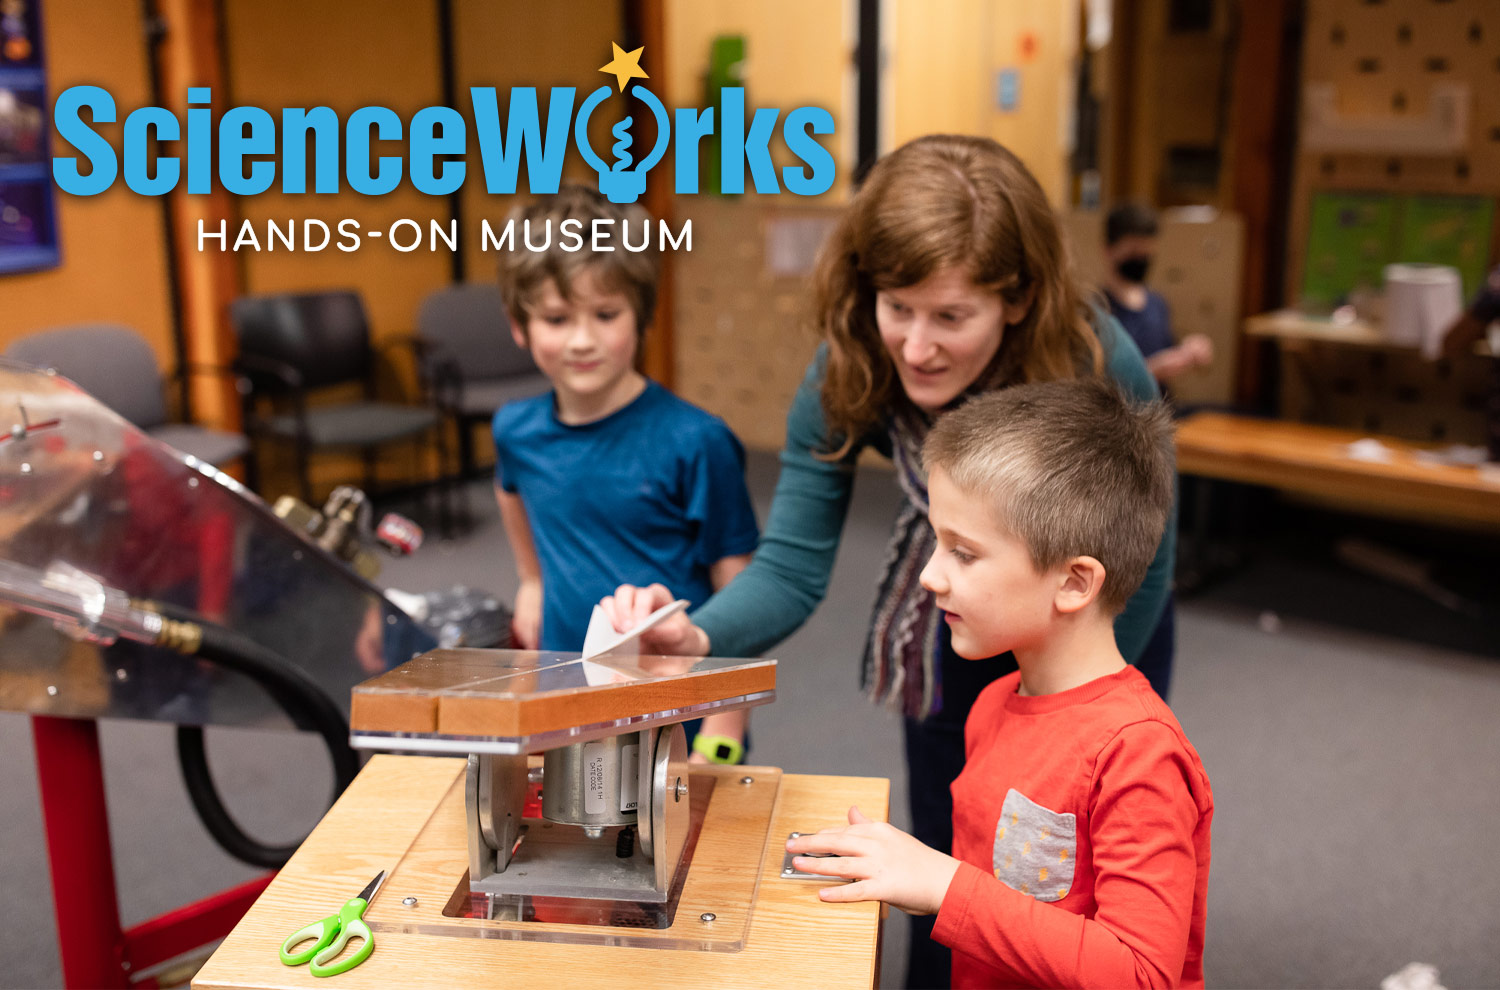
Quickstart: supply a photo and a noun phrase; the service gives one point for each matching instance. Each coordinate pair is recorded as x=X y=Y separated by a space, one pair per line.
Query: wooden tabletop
x=1317 y=460
x=1292 y=326
x=794 y=939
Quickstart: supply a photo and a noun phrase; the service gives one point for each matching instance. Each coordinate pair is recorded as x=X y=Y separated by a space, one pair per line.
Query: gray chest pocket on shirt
x=1035 y=848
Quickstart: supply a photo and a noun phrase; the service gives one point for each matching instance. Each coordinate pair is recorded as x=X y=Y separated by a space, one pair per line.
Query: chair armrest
x=438 y=372
x=259 y=369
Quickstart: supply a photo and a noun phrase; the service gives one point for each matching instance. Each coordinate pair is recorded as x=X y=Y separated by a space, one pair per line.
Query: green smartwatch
x=719 y=749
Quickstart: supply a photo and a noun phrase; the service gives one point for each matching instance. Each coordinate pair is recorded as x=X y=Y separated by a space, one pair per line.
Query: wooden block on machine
x=526 y=693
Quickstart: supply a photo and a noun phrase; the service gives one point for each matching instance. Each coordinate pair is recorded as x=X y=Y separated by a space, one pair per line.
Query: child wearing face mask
x=1129 y=245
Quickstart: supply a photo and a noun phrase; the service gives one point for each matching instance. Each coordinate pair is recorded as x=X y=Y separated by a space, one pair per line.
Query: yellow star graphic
x=625 y=65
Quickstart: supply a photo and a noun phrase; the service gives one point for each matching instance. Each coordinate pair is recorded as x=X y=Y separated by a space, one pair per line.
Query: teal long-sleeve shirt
x=788 y=576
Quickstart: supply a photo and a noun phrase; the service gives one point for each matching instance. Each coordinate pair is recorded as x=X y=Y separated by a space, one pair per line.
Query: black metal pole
x=447 y=57
x=867 y=73
x=154 y=31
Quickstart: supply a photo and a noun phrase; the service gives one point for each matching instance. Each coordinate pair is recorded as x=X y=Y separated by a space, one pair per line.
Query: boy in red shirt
x=1081 y=819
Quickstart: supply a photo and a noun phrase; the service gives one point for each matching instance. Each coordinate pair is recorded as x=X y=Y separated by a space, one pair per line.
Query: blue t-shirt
x=652 y=492
x=1150 y=328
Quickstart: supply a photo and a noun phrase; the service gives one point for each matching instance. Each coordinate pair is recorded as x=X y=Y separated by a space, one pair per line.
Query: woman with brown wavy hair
x=946 y=276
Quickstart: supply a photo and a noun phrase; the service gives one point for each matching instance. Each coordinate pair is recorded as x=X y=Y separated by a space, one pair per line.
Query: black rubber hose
x=303 y=701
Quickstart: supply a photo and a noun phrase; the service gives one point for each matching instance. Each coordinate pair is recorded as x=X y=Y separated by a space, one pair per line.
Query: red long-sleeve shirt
x=1082 y=820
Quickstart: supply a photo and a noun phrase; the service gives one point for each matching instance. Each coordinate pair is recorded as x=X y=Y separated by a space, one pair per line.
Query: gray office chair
x=471 y=366
x=116 y=366
x=291 y=346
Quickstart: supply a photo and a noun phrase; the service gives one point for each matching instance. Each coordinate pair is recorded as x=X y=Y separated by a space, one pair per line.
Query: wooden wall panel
x=564 y=45
x=283 y=53
x=796 y=54
x=945 y=56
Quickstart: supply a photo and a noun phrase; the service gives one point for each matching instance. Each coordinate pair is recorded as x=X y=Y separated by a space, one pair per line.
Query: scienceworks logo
x=306 y=150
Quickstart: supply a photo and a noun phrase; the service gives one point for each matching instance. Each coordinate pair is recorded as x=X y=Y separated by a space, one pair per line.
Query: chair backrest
x=467 y=324
x=112 y=363
x=325 y=336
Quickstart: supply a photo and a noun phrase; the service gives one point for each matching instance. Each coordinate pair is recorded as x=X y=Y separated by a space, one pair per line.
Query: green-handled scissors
x=332 y=934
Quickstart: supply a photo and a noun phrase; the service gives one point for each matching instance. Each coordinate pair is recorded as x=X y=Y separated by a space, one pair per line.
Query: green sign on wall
x=1353 y=236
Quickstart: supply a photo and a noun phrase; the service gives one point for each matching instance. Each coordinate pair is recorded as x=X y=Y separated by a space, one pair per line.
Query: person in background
x=946 y=277
x=1130 y=233
x=1083 y=814
x=1461 y=338
x=608 y=478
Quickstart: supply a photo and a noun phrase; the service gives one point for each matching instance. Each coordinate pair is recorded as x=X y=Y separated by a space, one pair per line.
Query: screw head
x=787 y=872
x=747 y=780
x=98 y=455
x=409 y=901
x=680 y=791
x=25 y=468
x=707 y=917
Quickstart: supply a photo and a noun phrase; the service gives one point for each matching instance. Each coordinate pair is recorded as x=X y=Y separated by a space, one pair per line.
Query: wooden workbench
x=794 y=939
x=1292 y=328
x=1315 y=460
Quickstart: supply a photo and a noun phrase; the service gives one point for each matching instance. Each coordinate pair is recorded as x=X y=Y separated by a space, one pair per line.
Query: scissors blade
x=374 y=885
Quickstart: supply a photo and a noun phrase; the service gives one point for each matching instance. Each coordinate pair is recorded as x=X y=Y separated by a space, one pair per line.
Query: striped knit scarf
x=900 y=663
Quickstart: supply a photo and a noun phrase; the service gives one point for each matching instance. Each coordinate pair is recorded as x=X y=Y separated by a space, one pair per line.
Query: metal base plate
x=729 y=854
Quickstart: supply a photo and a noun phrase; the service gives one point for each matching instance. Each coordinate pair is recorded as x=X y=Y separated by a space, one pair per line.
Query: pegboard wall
x=742 y=311
x=1383 y=59
x=1197 y=270
x=1384 y=391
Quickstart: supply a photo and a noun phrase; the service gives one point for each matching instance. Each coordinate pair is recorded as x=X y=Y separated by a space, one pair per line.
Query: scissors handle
x=351 y=924
x=321 y=932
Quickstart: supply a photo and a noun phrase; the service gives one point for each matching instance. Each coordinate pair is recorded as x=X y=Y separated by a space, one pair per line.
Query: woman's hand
x=526 y=622
x=676 y=636
x=885 y=863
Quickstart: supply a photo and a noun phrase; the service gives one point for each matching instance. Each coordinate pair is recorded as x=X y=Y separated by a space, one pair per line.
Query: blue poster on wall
x=28 y=212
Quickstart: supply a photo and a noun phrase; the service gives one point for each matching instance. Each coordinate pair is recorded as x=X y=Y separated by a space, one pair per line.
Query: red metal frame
x=94 y=950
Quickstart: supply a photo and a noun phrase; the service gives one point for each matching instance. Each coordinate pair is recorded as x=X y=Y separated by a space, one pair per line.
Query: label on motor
x=594 y=801
x=630 y=777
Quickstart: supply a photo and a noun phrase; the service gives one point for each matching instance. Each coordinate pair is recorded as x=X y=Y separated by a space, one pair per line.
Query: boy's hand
x=674 y=637
x=1199 y=348
x=886 y=863
x=526 y=623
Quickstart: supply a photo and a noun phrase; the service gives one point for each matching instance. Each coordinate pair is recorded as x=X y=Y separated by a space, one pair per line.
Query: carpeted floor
x=1356 y=773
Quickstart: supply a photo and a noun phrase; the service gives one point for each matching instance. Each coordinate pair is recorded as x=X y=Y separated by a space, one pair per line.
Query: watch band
x=719 y=749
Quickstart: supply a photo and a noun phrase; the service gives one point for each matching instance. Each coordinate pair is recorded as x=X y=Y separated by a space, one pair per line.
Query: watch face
x=723 y=752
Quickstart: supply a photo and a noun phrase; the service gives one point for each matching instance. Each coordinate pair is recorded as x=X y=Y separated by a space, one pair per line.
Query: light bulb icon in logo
x=619 y=182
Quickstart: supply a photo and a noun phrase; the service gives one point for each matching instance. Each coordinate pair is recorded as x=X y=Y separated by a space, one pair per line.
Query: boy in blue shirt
x=609 y=478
